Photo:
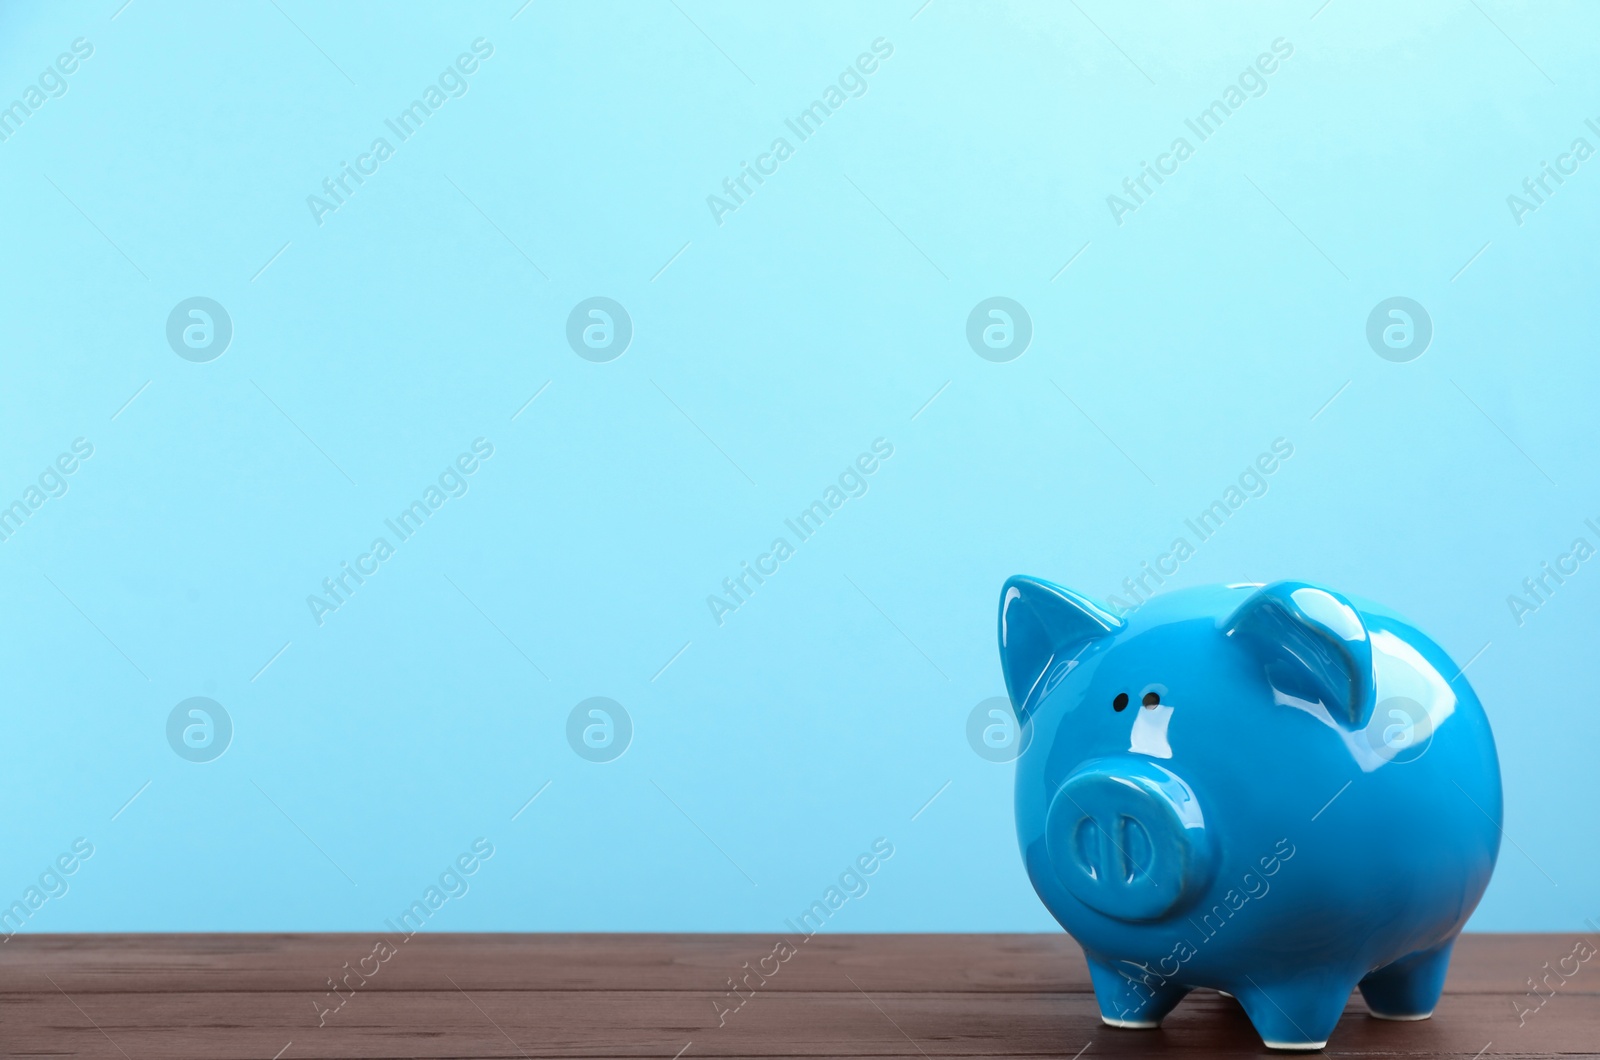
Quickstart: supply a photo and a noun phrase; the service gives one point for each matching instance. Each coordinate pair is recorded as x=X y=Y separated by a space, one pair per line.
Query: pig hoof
x=1297 y=1013
x=1409 y=988
x=1134 y=1004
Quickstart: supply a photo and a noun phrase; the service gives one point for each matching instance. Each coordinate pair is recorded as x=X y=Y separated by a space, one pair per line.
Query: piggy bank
x=1272 y=791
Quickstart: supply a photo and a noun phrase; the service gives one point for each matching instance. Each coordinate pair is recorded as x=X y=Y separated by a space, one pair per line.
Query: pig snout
x=1126 y=837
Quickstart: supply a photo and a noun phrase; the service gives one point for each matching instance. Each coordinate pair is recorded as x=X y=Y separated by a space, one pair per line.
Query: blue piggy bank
x=1272 y=791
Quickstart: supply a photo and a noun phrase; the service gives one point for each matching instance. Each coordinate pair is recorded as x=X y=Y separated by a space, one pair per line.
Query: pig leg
x=1410 y=987
x=1137 y=1000
x=1296 y=1013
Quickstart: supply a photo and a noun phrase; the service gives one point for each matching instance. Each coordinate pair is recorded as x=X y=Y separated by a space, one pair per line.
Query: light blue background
x=823 y=314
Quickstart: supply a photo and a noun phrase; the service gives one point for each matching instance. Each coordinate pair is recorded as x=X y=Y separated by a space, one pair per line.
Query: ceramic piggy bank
x=1276 y=792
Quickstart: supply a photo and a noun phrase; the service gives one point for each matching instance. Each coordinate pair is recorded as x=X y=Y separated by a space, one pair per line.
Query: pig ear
x=1039 y=623
x=1312 y=644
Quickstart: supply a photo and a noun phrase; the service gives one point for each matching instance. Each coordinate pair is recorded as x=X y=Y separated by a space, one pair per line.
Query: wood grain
x=445 y=996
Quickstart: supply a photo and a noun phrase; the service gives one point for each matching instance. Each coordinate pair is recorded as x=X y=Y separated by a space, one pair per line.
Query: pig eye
x=1151 y=699
x=1121 y=701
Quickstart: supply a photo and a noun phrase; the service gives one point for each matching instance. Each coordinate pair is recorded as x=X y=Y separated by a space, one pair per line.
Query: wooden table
x=263 y=996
